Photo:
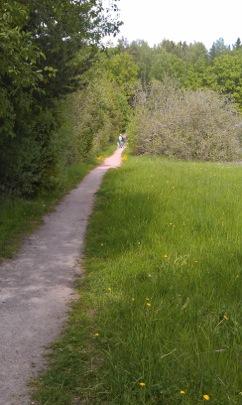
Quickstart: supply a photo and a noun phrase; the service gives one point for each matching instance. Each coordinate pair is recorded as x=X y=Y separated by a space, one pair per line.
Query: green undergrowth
x=159 y=315
x=20 y=216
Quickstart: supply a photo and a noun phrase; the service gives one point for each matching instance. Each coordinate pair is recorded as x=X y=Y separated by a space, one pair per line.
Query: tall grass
x=159 y=318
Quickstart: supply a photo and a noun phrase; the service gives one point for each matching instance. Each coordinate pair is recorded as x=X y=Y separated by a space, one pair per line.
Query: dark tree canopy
x=61 y=29
x=45 y=47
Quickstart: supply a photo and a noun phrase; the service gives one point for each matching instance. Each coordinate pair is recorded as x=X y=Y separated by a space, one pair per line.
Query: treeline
x=61 y=96
x=205 y=89
x=192 y=65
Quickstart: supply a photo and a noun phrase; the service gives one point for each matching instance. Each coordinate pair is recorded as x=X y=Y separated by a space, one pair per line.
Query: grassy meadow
x=159 y=315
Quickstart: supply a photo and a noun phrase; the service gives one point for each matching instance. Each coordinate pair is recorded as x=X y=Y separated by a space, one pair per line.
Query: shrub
x=199 y=125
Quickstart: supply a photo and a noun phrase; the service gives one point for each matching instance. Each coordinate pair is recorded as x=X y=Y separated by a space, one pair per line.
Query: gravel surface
x=37 y=286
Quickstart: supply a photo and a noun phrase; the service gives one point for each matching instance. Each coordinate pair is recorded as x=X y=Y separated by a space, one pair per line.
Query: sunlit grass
x=159 y=319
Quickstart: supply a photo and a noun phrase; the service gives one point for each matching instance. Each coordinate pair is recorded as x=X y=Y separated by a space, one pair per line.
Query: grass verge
x=159 y=315
x=20 y=216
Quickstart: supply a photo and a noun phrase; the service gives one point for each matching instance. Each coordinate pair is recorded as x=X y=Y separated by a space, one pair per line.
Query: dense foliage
x=45 y=49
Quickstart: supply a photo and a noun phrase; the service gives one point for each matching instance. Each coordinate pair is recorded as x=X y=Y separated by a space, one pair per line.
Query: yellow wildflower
x=183 y=392
x=165 y=256
x=206 y=397
x=109 y=289
x=96 y=334
x=148 y=304
x=141 y=384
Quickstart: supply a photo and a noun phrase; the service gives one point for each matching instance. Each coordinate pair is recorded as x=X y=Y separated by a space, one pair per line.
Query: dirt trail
x=37 y=285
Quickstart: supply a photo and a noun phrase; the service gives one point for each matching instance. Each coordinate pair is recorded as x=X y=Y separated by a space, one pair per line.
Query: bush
x=100 y=113
x=196 y=125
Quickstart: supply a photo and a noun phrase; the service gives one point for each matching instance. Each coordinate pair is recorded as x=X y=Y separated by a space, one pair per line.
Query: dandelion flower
x=206 y=397
x=165 y=256
x=183 y=392
x=142 y=384
x=96 y=334
x=148 y=304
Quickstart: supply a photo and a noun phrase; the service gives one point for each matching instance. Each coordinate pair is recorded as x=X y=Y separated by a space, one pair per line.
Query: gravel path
x=36 y=287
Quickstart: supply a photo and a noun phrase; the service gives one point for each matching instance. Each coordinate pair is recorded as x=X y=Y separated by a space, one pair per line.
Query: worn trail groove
x=37 y=285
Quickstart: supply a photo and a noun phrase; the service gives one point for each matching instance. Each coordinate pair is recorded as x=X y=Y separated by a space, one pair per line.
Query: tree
x=123 y=70
x=167 y=64
x=61 y=29
x=19 y=74
x=237 y=45
x=142 y=55
x=196 y=53
x=20 y=79
x=218 y=48
x=225 y=76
